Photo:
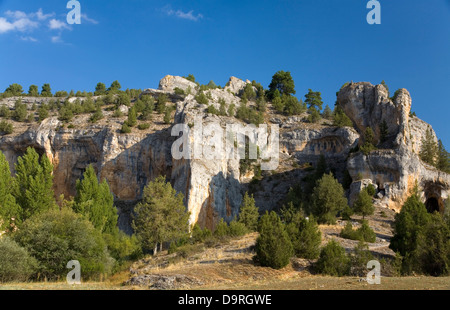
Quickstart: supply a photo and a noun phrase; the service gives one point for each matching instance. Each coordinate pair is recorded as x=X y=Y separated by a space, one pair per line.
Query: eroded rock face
x=213 y=189
x=394 y=171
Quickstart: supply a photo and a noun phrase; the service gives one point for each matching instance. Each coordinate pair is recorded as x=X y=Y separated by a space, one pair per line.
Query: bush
x=305 y=236
x=221 y=230
x=15 y=262
x=123 y=247
x=359 y=259
x=237 y=229
x=364 y=233
x=248 y=213
x=200 y=235
x=328 y=199
x=273 y=246
x=143 y=126
x=201 y=98
x=125 y=128
x=333 y=260
x=6 y=128
x=56 y=237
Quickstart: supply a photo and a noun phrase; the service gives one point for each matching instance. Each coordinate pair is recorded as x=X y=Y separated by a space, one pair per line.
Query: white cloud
x=5 y=26
x=57 y=39
x=29 y=39
x=55 y=24
x=89 y=20
x=41 y=16
x=183 y=15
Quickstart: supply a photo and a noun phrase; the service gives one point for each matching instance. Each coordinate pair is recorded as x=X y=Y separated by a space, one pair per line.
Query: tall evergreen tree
x=100 y=89
x=46 y=91
x=273 y=246
x=364 y=204
x=443 y=158
x=33 y=91
x=33 y=188
x=429 y=149
x=95 y=201
x=249 y=214
x=328 y=199
x=283 y=82
x=314 y=99
x=305 y=236
x=161 y=216
x=9 y=209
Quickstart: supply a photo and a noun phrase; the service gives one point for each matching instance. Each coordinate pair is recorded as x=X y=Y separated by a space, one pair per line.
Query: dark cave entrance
x=432 y=205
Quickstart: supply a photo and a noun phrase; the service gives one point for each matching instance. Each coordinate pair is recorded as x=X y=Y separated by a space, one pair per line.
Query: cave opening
x=432 y=205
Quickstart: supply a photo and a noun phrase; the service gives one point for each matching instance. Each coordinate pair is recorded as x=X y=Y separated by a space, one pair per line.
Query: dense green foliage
x=305 y=236
x=248 y=214
x=283 y=83
x=422 y=239
x=273 y=246
x=15 y=262
x=161 y=216
x=328 y=199
x=95 y=201
x=364 y=204
x=363 y=233
x=33 y=188
x=56 y=237
x=333 y=260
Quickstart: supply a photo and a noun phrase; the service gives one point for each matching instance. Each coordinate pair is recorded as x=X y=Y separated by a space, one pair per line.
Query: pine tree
x=327 y=113
x=95 y=201
x=161 y=216
x=132 y=117
x=364 y=204
x=340 y=119
x=46 y=91
x=429 y=149
x=33 y=91
x=443 y=158
x=249 y=214
x=33 y=189
x=9 y=209
x=273 y=246
x=305 y=236
x=328 y=199
x=383 y=131
x=100 y=89
x=314 y=100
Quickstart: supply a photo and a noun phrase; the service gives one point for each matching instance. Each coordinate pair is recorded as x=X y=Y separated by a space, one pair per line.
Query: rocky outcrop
x=394 y=170
x=213 y=188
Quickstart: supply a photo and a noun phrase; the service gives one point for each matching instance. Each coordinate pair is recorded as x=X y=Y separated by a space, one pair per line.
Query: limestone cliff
x=213 y=189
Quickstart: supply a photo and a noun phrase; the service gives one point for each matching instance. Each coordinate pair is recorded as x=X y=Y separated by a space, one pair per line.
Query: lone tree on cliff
x=161 y=216
x=428 y=151
x=283 y=82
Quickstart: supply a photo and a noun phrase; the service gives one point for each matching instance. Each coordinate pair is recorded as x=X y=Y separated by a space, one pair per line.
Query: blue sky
x=323 y=43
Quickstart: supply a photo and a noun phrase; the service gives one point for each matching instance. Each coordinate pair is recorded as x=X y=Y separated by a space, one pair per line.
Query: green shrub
x=333 y=260
x=371 y=190
x=221 y=230
x=200 y=235
x=56 y=237
x=125 y=128
x=201 y=98
x=248 y=213
x=305 y=236
x=328 y=199
x=6 y=128
x=364 y=233
x=15 y=262
x=5 y=111
x=237 y=229
x=359 y=259
x=144 y=126
x=273 y=246
x=123 y=247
